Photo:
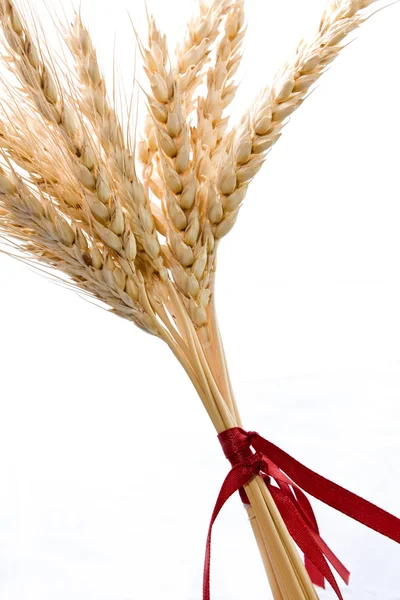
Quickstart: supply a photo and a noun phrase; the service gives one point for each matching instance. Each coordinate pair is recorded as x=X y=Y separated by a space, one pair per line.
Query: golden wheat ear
x=173 y=144
x=261 y=126
x=193 y=53
x=192 y=56
x=94 y=103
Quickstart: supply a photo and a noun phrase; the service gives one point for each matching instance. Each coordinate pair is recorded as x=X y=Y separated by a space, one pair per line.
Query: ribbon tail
x=315 y=575
x=308 y=513
x=329 y=492
x=304 y=538
x=236 y=478
x=305 y=509
x=302 y=525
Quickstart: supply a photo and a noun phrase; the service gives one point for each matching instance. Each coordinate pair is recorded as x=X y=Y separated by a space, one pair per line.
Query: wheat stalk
x=71 y=201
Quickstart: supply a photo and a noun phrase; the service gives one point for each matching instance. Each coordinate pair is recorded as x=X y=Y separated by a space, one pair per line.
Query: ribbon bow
x=270 y=462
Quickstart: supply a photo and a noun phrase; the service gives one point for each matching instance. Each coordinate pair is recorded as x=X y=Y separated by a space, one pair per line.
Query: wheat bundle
x=71 y=201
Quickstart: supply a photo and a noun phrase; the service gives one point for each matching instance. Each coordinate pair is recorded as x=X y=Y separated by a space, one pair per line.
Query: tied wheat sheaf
x=137 y=226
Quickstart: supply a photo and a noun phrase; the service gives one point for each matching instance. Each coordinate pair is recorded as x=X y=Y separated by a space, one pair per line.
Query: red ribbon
x=271 y=462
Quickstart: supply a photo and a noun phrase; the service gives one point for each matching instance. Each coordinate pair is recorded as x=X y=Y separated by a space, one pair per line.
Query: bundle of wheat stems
x=71 y=198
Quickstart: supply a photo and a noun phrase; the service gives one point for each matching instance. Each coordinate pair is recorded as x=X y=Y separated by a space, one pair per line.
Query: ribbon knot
x=236 y=445
x=250 y=455
x=258 y=463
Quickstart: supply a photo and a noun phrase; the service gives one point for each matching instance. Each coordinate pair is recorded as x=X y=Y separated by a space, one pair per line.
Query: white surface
x=94 y=414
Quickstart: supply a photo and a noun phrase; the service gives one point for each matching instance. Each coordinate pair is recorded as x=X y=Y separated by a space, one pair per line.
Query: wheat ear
x=95 y=104
x=192 y=56
x=193 y=53
x=261 y=126
x=41 y=84
x=221 y=87
x=187 y=252
x=211 y=126
x=46 y=237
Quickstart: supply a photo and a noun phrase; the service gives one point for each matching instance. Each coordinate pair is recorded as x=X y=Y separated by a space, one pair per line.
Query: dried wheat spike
x=211 y=126
x=193 y=53
x=36 y=160
x=191 y=57
x=50 y=239
x=261 y=127
x=95 y=105
x=221 y=87
x=179 y=178
x=221 y=90
x=41 y=85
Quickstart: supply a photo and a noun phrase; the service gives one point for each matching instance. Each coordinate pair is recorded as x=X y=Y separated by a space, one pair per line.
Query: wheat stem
x=262 y=547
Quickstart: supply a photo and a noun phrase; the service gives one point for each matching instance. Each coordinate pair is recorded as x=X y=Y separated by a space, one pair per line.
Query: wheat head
x=262 y=125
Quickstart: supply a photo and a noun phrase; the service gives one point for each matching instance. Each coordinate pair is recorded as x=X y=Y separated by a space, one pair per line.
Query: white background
x=109 y=467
